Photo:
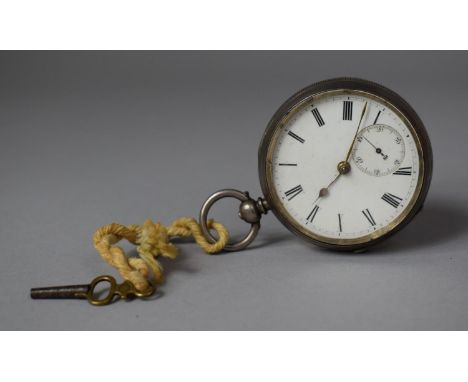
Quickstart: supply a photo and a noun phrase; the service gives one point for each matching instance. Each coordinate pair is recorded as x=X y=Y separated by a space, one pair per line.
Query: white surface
x=317 y=154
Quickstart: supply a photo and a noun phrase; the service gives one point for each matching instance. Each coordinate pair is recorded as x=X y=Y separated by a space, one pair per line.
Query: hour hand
x=325 y=190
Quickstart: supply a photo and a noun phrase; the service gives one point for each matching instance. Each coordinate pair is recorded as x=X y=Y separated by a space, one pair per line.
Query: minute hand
x=355 y=135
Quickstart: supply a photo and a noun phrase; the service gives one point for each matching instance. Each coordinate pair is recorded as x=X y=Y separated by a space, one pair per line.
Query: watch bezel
x=372 y=90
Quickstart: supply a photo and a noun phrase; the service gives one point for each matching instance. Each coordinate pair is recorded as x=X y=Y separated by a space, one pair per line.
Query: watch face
x=345 y=163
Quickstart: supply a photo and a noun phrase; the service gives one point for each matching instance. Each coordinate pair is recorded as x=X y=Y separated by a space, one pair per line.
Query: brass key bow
x=88 y=291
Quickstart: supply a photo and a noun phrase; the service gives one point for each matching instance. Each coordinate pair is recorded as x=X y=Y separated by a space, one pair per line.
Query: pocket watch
x=344 y=164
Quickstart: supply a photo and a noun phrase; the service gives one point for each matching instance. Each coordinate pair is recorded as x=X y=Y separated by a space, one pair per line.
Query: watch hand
x=370 y=142
x=355 y=135
x=324 y=191
x=377 y=149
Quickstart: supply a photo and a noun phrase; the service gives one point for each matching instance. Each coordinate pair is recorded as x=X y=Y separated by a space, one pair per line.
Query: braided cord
x=152 y=241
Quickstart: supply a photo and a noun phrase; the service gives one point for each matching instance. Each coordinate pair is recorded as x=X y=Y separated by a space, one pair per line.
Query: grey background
x=91 y=138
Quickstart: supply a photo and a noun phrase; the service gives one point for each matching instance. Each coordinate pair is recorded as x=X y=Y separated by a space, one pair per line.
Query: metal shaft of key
x=66 y=291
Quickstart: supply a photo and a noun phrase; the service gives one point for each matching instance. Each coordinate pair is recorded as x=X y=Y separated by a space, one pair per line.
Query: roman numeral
x=296 y=137
x=376 y=118
x=403 y=171
x=369 y=217
x=318 y=117
x=391 y=199
x=287 y=164
x=312 y=214
x=293 y=192
x=339 y=223
x=347 y=110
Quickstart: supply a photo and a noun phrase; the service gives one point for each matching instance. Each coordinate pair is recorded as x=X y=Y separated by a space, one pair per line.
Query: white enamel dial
x=383 y=161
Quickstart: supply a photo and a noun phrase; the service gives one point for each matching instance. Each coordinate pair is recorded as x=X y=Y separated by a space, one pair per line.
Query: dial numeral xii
x=347 y=110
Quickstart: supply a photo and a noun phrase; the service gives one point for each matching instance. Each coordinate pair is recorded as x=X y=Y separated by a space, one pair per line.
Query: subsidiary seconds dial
x=379 y=150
